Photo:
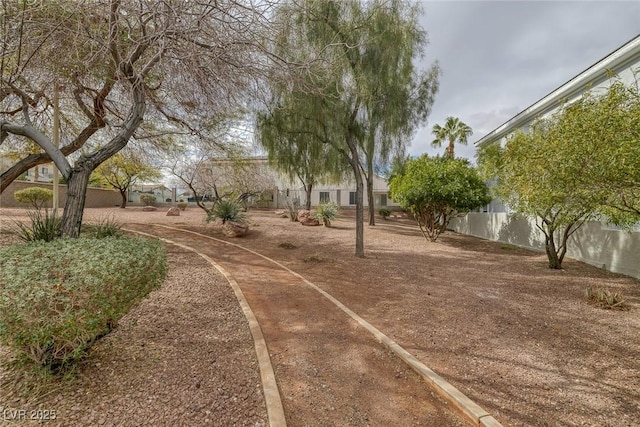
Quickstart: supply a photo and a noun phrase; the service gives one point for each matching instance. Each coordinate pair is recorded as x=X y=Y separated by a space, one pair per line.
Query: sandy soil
x=514 y=336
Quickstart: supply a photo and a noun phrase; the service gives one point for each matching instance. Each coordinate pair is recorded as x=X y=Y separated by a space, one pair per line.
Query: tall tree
x=453 y=131
x=340 y=95
x=115 y=63
x=124 y=170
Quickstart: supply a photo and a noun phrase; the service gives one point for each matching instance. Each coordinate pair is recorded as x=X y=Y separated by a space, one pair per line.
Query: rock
x=149 y=209
x=173 y=212
x=309 y=221
x=279 y=212
x=235 y=229
x=303 y=213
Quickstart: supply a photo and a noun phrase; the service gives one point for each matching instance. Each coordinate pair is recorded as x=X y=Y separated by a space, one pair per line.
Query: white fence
x=595 y=243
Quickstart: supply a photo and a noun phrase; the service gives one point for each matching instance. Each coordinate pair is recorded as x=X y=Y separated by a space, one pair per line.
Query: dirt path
x=329 y=370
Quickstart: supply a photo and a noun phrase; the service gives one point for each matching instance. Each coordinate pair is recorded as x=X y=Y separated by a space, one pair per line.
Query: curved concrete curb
x=275 y=411
x=468 y=408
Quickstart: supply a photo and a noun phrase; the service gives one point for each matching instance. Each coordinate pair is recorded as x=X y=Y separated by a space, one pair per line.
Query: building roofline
x=599 y=72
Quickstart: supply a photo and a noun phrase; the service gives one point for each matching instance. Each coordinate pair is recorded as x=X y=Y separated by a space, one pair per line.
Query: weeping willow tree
x=360 y=91
x=298 y=153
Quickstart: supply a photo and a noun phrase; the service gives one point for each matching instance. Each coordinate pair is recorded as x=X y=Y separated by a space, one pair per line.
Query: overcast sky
x=499 y=57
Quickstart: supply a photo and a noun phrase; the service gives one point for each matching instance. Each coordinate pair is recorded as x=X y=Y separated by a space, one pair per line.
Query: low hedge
x=57 y=298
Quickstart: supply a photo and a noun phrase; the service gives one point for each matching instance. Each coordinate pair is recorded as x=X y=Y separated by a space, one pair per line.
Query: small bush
x=148 y=199
x=326 y=213
x=35 y=196
x=58 y=298
x=226 y=210
x=45 y=226
x=605 y=299
x=287 y=245
x=182 y=205
x=384 y=213
x=103 y=227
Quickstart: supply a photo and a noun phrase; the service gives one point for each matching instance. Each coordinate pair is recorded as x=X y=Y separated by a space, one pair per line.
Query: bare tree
x=213 y=175
x=114 y=64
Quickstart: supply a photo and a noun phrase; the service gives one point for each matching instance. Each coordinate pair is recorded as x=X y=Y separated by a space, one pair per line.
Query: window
x=383 y=200
x=352 y=197
x=44 y=171
x=324 y=197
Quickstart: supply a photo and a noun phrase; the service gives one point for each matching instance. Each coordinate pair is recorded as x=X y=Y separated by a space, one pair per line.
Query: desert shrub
x=148 y=199
x=57 y=298
x=605 y=299
x=103 y=227
x=326 y=213
x=182 y=205
x=287 y=245
x=226 y=210
x=35 y=196
x=44 y=226
x=384 y=213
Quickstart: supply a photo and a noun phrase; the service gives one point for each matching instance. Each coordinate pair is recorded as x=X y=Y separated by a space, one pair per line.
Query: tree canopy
x=436 y=189
x=453 y=131
x=125 y=169
x=581 y=163
x=113 y=65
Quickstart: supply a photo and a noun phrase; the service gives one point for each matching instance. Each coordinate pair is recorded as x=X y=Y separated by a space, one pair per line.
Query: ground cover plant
x=57 y=298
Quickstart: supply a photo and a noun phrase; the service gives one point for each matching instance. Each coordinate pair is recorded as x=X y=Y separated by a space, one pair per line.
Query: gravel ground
x=514 y=336
x=184 y=356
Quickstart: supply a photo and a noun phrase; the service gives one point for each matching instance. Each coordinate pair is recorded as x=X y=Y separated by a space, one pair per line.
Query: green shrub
x=605 y=299
x=103 y=227
x=57 y=298
x=148 y=199
x=182 y=205
x=45 y=226
x=384 y=213
x=226 y=210
x=326 y=213
x=34 y=196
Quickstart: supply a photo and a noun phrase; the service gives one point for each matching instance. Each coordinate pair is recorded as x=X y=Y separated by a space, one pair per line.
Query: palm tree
x=452 y=131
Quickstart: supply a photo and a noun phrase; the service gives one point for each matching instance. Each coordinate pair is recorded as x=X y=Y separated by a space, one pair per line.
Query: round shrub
x=148 y=199
x=34 y=196
x=57 y=298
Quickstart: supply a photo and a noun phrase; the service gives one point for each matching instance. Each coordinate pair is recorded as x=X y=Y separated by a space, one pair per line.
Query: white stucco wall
x=595 y=243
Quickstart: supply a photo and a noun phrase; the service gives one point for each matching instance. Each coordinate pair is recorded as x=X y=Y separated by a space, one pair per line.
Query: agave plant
x=326 y=213
x=226 y=210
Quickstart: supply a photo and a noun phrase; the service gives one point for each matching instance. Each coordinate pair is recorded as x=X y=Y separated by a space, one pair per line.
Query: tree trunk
x=359 y=214
x=449 y=150
x=552 y=252
x=355 y=165
x=123 y=194
x=76 y=195
x=78 y=179
x=307 y=189
x=370 y=198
